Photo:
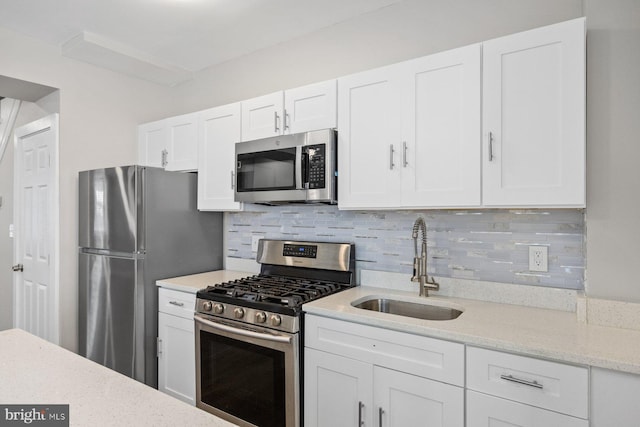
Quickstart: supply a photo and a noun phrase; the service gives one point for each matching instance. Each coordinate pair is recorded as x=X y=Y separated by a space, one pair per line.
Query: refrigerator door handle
x=114 y=254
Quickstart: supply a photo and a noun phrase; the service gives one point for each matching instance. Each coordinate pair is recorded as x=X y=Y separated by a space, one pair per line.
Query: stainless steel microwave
x=298 y=168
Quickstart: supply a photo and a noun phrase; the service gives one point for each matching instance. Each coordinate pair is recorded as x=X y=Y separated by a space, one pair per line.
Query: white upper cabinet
x=310 y=107
x=409 y=134
x=182 y=143
x=296 y=110
x=534 y=117
x=152 y=144
x=441 y=130
x=262 y=116
x=171 y=143
x=369 y=139
x=218 y=131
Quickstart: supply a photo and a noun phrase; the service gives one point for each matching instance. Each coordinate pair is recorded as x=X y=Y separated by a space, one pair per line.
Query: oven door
x=247 y=375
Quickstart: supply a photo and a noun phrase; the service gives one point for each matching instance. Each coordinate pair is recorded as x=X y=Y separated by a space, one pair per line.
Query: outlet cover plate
x=254 y=242
x=538 y=258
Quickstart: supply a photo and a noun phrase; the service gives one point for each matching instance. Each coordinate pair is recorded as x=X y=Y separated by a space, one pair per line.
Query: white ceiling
x=167 y=40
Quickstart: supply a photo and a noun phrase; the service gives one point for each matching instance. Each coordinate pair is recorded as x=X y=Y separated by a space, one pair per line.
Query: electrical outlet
x=254 y=242
x=538 y=258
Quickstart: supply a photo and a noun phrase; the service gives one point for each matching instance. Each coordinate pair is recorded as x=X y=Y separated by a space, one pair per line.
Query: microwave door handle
x=298 y=168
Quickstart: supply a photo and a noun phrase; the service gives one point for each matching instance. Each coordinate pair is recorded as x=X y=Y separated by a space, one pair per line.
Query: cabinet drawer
x=488 y=411
x=426 y=357
x=550 y=385
x=178 y=303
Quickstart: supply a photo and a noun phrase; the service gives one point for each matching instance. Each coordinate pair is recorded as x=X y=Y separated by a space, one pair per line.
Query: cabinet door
x=614 y=398
x=337 y=391
x=534 y=117
x=407 y=400
x=262 y=116
x=369 y=139
x=490 y=411
x=311 y=107
x=218 y=131
x=152 y=144
x=182 y=143
x=441 y=129
x=176 y=357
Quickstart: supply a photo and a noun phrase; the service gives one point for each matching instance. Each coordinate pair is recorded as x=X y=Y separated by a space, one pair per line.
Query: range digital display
x=302 y=251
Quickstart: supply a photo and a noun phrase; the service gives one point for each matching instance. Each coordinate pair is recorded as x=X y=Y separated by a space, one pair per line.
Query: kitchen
x=119 y=104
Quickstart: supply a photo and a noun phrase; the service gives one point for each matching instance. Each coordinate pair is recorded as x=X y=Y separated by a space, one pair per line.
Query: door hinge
x=158 y=347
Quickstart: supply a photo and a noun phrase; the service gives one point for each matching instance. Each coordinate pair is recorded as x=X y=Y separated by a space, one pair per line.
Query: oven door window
x=267 y=170
x=243 y=379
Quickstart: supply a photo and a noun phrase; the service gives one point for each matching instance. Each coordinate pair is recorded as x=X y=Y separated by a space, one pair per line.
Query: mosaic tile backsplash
x=487 y=245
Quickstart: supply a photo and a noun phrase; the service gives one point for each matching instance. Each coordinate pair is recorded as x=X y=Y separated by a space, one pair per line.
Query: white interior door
x=35 y=304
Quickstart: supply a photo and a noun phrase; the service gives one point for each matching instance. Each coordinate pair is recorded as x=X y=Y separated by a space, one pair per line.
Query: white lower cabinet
x=490 y=411
x=614 y=398
x=511 y=390
x=176 y=345
x=381 y=388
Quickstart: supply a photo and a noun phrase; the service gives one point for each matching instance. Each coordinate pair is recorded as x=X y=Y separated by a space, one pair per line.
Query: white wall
x=99 y=111
x=613 y=149
x=405 y=30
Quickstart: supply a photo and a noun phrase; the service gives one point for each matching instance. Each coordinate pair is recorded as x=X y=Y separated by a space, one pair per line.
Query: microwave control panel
x=316 y=168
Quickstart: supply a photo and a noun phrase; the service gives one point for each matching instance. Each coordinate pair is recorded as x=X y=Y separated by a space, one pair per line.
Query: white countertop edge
x=542 y=333
x=194 y=282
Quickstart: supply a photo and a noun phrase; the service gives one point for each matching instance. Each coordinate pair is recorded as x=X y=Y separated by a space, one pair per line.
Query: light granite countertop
x=545 y=333
x=34 y=371
x=194 y=282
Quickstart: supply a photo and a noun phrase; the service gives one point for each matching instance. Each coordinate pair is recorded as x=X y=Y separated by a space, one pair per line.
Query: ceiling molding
x=114 y=56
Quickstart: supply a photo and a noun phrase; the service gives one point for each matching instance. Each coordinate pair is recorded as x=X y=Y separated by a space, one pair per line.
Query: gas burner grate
x=279 y=290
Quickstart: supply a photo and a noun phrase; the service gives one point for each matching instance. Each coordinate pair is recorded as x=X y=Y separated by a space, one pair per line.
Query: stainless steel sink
x=408 y=309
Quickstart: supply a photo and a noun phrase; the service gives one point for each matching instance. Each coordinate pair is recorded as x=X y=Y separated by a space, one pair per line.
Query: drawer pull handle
x=513 y=379
x=179 y=304
x=360 y=407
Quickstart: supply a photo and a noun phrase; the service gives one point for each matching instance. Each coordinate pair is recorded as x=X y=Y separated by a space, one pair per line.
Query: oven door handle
x=243 y=332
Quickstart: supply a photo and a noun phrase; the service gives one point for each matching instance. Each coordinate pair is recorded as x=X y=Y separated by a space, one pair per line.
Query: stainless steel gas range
x=249 y=331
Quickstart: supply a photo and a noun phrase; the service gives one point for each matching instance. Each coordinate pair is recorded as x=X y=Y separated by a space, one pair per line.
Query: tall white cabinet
x=218 y=131
x=534 y=117
x=369 y=139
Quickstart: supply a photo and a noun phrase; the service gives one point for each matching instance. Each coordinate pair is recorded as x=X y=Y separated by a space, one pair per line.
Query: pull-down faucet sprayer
x=420 y=262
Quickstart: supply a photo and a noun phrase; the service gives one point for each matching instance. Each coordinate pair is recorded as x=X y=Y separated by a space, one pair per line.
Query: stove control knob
x=261 y=317
x=276 y=320
x=238 y=312
x=207 y=305
x=218 y=308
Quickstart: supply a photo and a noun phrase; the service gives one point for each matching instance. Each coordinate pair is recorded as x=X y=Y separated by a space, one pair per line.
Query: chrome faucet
x=420 y=262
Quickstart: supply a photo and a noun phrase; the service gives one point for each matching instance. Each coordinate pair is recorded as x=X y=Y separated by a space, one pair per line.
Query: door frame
x=50 y=122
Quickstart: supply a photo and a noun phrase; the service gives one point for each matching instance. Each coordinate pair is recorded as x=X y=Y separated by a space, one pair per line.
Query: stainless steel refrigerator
x=136 y=225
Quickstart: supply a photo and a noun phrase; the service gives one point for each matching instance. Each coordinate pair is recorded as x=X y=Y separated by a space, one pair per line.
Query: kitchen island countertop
x=35 y=372
x=538 y=332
